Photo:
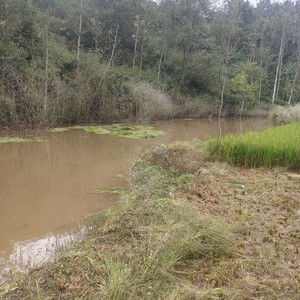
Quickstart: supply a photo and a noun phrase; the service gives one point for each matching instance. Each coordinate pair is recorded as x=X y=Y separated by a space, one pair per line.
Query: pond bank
x=186 y=228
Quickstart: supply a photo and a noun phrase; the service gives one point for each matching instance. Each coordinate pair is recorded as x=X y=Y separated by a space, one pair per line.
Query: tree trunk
x=182 y=66
x=294 y=80
x=279 y=66
x=242 y=107
x=224 y=74
x=260 y=81
x=261 y=71
x=224 y=77
x=46 y=62
x=142 y=52
x=225 y=62
x=136 y=39
x=160 y=63
x=96 y=42
x=79 y=31
x=5 y=41
x=279 y=76
x=109 y=62
x=253 y=46
x=113 y=51
x=5 y=27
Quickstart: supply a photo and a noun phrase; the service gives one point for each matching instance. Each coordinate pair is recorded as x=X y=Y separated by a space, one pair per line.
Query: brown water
x=46 y=187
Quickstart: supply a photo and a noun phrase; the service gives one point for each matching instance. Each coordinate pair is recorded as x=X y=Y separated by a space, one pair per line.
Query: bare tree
x=79 y=31
x=160 y=62
x=6 y=25
x=46 y=29
x=285 y=35
x=109 y=62
x=142 y=47
x=295 y=78
x=227 y=46
x=279 y=64
x=136 y=40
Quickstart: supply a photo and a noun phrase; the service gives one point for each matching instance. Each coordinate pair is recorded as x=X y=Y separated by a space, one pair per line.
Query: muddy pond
x=46 y=187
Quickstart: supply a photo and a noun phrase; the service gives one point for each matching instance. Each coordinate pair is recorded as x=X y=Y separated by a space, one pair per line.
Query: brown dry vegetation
x=264 y=207
x=201 y=231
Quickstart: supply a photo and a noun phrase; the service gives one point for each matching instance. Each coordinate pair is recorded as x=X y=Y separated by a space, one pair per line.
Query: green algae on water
x=19 y=140
x=111 y=190
x=121 y=130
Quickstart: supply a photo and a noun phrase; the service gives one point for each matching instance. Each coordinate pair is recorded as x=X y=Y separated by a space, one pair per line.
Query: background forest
x=85 y=61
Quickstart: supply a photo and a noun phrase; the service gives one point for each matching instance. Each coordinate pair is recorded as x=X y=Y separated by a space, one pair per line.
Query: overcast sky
x=216 y=2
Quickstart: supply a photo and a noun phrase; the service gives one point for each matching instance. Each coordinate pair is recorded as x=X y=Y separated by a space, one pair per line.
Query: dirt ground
x=263 y=206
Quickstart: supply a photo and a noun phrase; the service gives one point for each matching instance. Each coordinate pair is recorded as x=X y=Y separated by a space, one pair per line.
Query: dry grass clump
x=136 y=250
x=285 y=114
x=150 y=102
x=183 y=156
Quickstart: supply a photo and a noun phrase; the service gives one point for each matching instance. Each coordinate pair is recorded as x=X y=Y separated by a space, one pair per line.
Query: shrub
x=194 y=107
x=150 y=102
x=285 y=115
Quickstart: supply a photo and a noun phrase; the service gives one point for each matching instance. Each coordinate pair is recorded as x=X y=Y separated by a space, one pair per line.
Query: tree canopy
x=84 y=56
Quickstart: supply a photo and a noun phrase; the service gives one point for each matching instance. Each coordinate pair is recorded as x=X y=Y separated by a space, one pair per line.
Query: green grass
x=19 y=140
x=120 y=130
x=277 y=146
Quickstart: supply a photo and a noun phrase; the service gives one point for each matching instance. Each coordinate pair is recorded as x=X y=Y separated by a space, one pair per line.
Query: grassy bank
x=186 y=228
x=138 y=249
x=278 y=146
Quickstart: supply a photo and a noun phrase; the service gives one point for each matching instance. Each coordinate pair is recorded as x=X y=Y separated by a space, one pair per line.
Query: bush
x=150 y=102
x=7 y=110
x=285 y=115
x=195 y=107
